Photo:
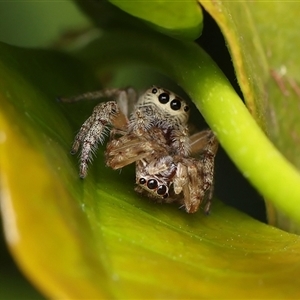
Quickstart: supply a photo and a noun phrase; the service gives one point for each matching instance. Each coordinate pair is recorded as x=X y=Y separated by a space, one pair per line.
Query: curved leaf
x=45 y=227
x=264 y=43
x=217 y=101
x=181 y=19
x=96 y=238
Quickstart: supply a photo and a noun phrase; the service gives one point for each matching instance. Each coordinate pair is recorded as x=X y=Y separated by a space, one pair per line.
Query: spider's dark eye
x=142 y=181
x=166 y=195
x=164 y=98
x=154 y=90
x=186 y=108
x=152 y=184
x=175 y=104
x=161 y=190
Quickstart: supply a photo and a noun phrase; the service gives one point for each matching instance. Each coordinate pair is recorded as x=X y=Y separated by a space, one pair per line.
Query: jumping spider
x=152 y=131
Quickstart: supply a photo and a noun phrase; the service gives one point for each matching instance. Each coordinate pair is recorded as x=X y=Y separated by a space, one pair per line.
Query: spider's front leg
x=112 y=114
x=93 y=132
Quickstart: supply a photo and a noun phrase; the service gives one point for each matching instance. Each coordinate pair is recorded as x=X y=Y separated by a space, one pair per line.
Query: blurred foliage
x=13 y=284
x=38 y=23
x=31 y=24
x=100 y=233
x=181 y=21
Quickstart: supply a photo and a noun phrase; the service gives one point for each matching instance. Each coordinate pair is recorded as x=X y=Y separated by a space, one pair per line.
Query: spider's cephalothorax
x=162 y=109
x=151 y=131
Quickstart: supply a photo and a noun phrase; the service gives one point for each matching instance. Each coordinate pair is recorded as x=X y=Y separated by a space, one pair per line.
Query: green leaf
x=179 y=19
x=96 y=238
x=44 y=225
x=216 y=100
x=264 y=43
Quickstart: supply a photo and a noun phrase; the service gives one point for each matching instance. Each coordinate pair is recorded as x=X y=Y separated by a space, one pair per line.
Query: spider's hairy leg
x=210 y=193
x=120 y=95
x=208 y=161
x=202 y=140
x=112 y=114
x=188 y=180
x=205 y=144
x=122 y=152
x=129 y=149
x=93 y=132
x=196 y=189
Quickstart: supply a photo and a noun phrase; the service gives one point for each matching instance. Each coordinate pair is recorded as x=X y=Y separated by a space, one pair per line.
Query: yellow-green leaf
x=96 y=238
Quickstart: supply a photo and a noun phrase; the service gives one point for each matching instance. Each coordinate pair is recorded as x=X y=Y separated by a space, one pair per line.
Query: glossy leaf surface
x=219 y=104
x=105 y=240
x=180 y=19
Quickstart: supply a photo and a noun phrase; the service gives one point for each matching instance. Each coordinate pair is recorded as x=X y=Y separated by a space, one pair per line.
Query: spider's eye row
x=186 y=108
x=142 y=181
x=154 y=90
x=152 y=184
x=164 y=98
x=162 y=189
x=175 y=104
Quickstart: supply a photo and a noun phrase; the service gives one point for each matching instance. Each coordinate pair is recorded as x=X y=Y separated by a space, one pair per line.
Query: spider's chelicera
x=152 y=132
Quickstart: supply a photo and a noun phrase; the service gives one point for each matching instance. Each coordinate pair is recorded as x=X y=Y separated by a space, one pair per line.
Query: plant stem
x=188 y=65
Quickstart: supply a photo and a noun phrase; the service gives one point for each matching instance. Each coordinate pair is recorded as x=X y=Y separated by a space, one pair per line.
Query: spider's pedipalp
x=181 y=178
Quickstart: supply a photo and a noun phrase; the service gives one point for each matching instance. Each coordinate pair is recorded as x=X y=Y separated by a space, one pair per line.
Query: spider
x=152 y=132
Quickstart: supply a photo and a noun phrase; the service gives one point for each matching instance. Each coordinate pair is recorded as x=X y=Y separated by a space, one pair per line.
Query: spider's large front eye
x=162 y=189
x=164 y=98
x=175 y=104
x=152 y=184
